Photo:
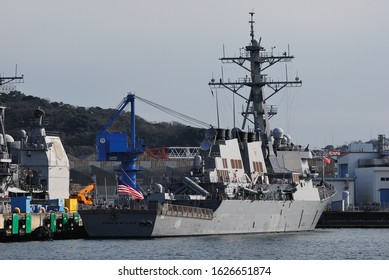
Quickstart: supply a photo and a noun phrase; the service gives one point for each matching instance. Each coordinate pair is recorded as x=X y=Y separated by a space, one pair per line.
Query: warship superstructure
x=34 y=164
x=242 y=181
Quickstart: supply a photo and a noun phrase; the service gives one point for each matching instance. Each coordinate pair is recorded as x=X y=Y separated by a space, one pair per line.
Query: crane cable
x=176 y=114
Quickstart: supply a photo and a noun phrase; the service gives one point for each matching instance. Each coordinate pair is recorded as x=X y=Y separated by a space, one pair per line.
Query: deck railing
x=186 y=211
x=326 y=191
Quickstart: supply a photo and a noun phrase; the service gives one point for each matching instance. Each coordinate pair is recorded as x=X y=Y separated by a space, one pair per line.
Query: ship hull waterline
x=232 y=217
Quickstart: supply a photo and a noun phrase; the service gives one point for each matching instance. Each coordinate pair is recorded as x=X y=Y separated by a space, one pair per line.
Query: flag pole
x=325 y=161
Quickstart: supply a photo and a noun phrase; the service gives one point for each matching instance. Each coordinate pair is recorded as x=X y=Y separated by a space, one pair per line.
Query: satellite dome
x=288 y=139
x=22 y=134
x=9 y=138
x=278 y=133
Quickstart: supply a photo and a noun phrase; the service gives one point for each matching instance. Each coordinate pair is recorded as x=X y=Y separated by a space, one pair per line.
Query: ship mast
x=256 y=110
x=11 y=79
x=15 y=79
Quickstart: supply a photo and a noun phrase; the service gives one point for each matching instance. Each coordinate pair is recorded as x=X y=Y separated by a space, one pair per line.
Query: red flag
x=326 y=160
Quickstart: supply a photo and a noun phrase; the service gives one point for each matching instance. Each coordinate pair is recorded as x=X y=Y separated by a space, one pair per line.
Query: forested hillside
x=78 y=125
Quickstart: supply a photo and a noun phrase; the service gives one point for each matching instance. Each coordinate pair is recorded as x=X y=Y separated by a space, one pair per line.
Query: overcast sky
x=91 y=53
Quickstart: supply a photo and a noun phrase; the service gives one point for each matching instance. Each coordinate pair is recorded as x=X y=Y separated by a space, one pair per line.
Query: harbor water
x=320 y=244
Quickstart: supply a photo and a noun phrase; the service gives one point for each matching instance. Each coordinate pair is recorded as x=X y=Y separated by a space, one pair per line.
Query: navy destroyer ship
x=241 y=182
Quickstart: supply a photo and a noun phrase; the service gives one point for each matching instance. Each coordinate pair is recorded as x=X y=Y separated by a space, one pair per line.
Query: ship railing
x=246 y=54
x=191 y=197
x=186 y=211
x=53 y=133
x=326 y=191
x=244 y=80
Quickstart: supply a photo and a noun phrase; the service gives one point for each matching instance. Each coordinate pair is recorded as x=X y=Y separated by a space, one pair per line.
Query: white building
x=370 y=171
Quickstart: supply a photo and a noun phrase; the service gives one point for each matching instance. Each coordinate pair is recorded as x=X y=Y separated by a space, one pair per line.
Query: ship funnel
x=221 y=134
x=239 y=134
x=251 y=137
x=242 y=136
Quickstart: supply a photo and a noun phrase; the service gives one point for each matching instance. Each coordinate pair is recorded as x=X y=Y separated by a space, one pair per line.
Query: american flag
x=326 y=160
x=124 y=189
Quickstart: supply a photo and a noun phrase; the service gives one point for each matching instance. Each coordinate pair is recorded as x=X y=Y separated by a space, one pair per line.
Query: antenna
x=10 y=80
x=233 y=107
x=252 y=25
x=217 y=110
x=286 y=71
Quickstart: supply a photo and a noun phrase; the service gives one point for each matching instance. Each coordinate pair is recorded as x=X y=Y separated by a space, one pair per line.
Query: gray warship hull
x=231 y=217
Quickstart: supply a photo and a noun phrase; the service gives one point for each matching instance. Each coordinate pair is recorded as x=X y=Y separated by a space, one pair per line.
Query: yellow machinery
x=82 y=195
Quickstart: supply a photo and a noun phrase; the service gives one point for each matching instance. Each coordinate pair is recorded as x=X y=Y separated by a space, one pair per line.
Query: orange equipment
x=82 y=196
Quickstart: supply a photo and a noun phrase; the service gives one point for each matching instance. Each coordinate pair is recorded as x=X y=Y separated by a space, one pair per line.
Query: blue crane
x=115 y=147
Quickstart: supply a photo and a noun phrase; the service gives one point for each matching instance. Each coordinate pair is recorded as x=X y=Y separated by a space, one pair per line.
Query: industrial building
x=362 y=179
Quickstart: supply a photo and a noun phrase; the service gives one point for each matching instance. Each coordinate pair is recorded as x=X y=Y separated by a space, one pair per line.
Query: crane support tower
x=115 y=147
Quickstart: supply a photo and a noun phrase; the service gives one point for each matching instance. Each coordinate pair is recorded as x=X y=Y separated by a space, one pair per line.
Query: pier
x=354 y=219
x=40 y=226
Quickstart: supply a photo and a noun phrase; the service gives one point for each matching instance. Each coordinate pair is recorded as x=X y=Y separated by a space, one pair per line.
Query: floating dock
x=40 y=220
x=40 y=226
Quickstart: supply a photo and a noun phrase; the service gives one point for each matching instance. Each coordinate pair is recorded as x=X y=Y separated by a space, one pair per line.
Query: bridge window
x=225 y=165
x=257 y=166
x=236 y=164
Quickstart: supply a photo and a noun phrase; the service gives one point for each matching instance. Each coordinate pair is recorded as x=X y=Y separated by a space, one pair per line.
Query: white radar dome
x=278 y=133
x=9 y=138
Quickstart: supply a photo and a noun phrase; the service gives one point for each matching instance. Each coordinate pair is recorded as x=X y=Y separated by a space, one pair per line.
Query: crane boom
x=119 y=109
x=115 y=147
x=83 y=197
